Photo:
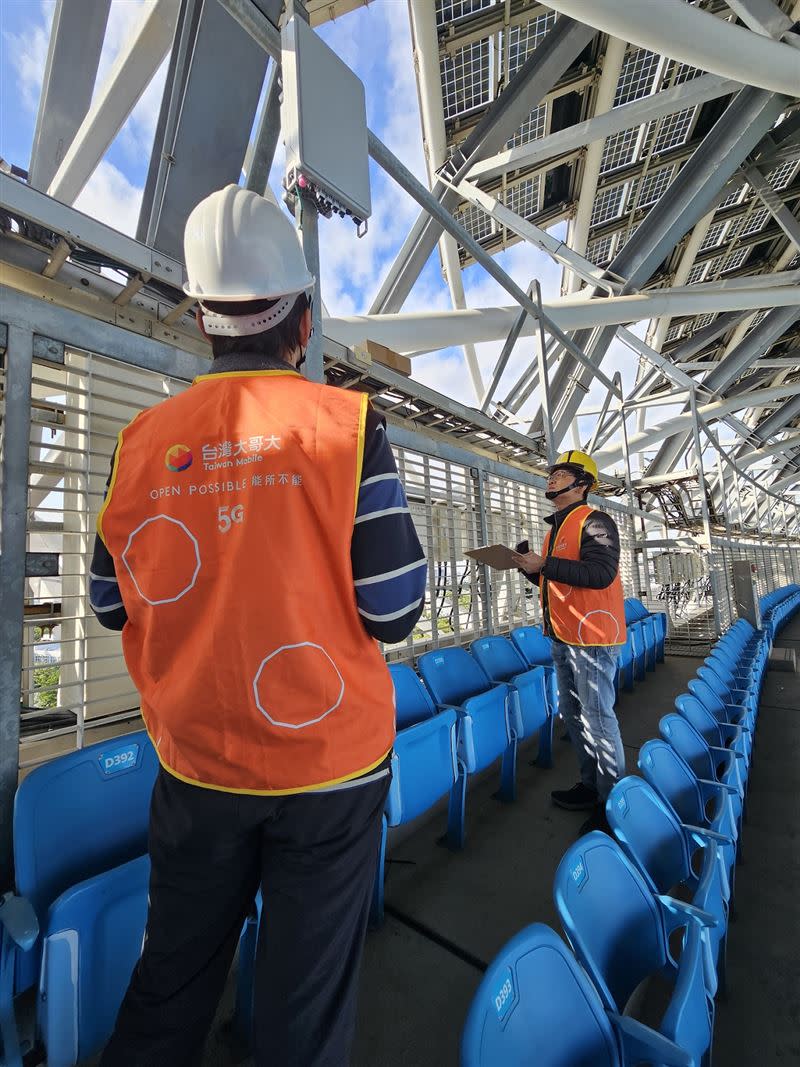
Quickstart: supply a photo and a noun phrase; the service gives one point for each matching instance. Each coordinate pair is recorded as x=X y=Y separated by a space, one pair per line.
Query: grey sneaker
x=579 y=798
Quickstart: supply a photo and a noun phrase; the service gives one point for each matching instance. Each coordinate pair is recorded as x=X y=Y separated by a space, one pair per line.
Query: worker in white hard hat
x=583 y=614
x=254 y=545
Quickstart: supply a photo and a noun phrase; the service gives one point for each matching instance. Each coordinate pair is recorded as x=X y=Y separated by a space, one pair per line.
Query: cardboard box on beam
x=369 y=351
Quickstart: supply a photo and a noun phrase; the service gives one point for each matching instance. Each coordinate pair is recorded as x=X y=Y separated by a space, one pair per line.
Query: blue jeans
x=586 y=702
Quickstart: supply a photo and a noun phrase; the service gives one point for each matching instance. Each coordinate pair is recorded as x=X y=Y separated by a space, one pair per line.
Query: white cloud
x=109 y=197
x=27 y=52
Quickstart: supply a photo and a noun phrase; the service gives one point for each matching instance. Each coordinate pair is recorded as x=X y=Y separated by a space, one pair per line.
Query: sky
x=375 y=42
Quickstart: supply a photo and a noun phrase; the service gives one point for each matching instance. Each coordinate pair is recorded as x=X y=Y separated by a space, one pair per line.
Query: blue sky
x=375 y=42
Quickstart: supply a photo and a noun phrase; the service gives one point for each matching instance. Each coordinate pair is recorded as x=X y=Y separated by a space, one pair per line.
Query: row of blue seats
x=81 y=898
x=676 y=828
x=468 y=709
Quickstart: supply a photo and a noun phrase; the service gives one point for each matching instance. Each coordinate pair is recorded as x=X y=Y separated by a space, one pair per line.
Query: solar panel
x=736 y=197
x=674 y=130
x=534 y=127
x=750 y=224
x=784 y=174
x=608 y=205
x=476 y=222
x=701 y=322
x=716 y=232
x=600 y=250
x=654 y=186
x=637 y=78
x=522 y=40
x=465 y=78
x=524 y=197
x=620 y=150
x=452 y=10
x=674 y=332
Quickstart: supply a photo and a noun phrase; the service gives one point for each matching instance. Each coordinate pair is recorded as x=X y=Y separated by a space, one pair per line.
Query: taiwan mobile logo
x=178 y=458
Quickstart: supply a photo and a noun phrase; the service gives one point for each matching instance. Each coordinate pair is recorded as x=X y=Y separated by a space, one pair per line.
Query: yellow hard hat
x=579 y=462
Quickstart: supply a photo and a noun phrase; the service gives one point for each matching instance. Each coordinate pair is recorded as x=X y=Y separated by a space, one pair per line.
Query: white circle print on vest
x=297 y=686
x=598 y=611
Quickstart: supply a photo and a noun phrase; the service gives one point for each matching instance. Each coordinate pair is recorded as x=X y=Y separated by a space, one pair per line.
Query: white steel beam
x=128 y=78
x=774 y=203
x=552 y=246
x=691 y=35
x=715 y=410
x=578 y=230
x=425 y=44
x=762 y=16
x=606 y=120
x=788 y=444
x=76 y=41
x=420 y=332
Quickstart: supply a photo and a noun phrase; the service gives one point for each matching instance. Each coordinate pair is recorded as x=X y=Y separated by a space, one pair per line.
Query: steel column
x=14 y=505
x=307 y=218
x=258 y=161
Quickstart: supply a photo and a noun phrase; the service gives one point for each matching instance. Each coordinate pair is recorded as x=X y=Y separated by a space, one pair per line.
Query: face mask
x=303 y=351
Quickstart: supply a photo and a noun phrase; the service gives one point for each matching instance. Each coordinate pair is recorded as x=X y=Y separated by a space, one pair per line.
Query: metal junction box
x=324 y=120
x=745 y=573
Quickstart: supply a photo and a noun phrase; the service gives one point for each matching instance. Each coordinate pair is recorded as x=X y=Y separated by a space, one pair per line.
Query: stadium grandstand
x=539 y=231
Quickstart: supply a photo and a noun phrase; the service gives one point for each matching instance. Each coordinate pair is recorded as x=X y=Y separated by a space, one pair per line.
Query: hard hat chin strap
x=551 y=494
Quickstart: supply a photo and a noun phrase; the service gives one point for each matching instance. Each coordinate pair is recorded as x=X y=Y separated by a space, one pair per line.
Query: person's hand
x=530 y=562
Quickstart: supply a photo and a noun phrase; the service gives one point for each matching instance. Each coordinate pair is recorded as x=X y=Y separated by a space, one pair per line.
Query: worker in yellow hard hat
x=583 y=613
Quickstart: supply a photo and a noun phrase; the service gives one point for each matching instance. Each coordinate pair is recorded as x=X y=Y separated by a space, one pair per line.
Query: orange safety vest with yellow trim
x=229 y=517
x=582 y=616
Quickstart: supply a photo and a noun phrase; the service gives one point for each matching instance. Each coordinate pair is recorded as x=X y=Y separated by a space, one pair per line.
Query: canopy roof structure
x=652 y=154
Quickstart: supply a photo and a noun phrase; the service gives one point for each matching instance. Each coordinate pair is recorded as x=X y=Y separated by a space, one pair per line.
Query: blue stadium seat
x=626 y=664
x=412 y=700
x=713 y=765
x=690 y=797
x=502 y=662
x=75 y=817
x=535 y=1007
x=92 y=940
x=484 y=732
x=537 y=651
x=620 y=932
x=424 y=769
x=741 y=704
x=665 y=852
x=713 y=726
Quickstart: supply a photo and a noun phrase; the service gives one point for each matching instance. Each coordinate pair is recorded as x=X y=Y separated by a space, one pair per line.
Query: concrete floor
x=415 y=992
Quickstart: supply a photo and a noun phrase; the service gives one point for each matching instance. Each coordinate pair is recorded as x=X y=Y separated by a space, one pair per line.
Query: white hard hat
x=239 y=246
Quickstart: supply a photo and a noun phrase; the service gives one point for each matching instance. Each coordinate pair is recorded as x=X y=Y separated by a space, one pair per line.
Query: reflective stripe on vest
x=229 y=517
x=582 y=616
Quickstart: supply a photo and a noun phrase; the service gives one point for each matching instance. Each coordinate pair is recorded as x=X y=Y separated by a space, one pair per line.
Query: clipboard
x=498 y=557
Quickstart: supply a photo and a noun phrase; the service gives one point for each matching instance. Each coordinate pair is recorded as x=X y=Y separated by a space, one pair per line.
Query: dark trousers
x=314 y=857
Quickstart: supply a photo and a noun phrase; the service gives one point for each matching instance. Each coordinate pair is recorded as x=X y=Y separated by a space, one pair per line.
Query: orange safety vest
x=229 y=517
x=582 y=616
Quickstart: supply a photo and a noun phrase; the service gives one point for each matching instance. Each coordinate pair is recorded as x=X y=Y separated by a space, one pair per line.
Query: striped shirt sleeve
x=105 y=598
x=389 y=565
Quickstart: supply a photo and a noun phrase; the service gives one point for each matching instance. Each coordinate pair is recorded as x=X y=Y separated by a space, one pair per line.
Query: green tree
x=45 y=682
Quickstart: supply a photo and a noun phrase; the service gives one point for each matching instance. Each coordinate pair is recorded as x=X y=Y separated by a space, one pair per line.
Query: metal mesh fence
x=75 y=688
